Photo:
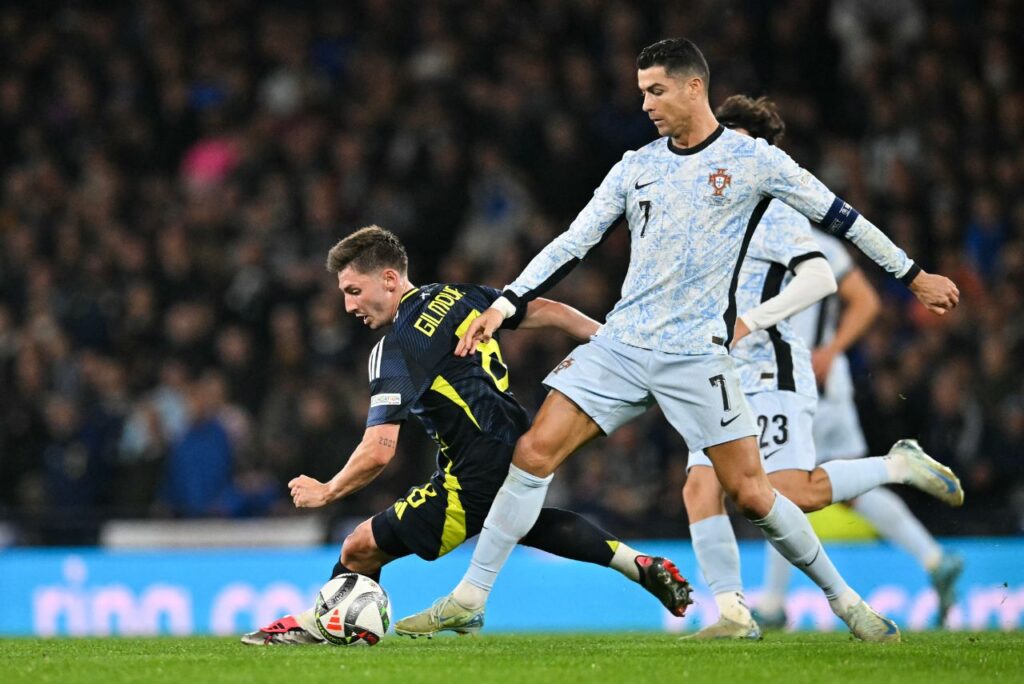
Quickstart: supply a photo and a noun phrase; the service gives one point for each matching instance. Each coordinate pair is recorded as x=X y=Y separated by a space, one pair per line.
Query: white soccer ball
x=352 y=609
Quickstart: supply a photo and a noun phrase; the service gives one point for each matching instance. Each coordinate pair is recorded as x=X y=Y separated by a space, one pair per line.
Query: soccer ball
x=352 y=609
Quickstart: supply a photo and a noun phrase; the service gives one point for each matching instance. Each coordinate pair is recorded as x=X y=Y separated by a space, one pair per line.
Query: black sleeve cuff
x=797 y=260
x=512 y=322
x=909 y=276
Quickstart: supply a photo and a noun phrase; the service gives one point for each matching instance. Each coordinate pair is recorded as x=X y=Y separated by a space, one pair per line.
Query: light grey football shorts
x=837 y=431
x=784 y=422
x=613 y=383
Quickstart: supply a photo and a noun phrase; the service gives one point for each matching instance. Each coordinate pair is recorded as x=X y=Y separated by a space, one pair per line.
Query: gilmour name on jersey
x=441 y=304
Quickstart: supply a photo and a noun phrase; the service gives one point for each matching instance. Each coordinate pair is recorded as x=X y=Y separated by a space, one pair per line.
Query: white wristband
x=507 y=308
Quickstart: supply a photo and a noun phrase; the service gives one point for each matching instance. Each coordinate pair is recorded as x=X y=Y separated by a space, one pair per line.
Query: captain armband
x=839 y=218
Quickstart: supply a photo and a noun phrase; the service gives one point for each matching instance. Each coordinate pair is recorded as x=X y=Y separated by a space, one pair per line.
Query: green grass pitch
x=781 y=658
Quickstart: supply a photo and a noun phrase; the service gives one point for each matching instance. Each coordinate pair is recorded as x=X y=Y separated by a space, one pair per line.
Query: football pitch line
x=931 y=657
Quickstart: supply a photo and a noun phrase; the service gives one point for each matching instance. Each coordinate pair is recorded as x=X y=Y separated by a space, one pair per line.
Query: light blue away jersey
x=816 y=324
x=691 y=213
x=775 y=358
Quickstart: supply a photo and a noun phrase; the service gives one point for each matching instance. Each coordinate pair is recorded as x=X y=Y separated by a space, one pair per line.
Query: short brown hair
x=368 y=249
x=678 y=56
x=759 y=117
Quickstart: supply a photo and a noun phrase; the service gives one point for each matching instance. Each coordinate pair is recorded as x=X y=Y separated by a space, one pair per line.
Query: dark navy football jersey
x=463 y=403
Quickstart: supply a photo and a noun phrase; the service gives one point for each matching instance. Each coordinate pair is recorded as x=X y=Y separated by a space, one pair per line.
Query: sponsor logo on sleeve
x=385 y=400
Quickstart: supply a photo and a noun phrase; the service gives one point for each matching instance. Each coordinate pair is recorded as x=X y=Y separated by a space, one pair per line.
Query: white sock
x=513 y=513
x=897 y=468
x=718 y=555
x=307 y=620
x=733 y=605
x=851 y=478
x=789 y=531
x=886 y=511
x=624 y=561
x=776 y=582
x=842 y=603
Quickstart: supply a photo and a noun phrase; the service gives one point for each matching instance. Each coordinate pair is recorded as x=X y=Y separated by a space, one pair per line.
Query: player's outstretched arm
x=783 y=178
x=556 y=260
x=860 y=308
x=547 y=313
x=813 y=281
x=540 y=313
x=372 y=455
x=938 y=293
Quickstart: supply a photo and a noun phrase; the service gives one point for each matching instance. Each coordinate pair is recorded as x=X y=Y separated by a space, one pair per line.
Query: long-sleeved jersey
x=692 y=214
x=775 y=358
x=463 y=403
x=816 y=324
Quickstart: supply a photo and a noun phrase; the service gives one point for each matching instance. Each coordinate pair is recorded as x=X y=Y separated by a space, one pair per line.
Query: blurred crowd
x=173 y=174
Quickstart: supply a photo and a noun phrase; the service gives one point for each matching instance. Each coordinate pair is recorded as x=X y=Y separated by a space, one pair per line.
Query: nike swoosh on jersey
x=637 y=185
x=723 y=422
x=767 y=456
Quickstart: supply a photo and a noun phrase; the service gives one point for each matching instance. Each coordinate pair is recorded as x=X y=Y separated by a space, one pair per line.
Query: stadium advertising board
x=57 y=592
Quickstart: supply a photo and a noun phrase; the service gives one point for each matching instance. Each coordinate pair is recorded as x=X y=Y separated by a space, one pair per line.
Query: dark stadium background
x=173 y=174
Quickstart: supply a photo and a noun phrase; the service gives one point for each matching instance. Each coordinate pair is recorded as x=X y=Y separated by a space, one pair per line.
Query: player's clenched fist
x=479 y=331
x=938 y=293
x=307 y=492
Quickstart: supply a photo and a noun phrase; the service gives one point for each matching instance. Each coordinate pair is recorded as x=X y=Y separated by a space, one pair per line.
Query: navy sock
x=572 y=536
x=340 y=569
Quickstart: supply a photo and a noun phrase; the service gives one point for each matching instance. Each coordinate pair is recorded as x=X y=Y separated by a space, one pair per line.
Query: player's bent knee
x=559 y=429
x=359 y=551
x=534 y=455
x=753 y=507
x=818 y=492
x=702 y=494
x=753 y=499
x=810 y=491
x=804 y=500
x=351 y=553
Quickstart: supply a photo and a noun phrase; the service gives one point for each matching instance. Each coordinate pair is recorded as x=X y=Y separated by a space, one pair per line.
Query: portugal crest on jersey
x=563 y=365
x=719 y=181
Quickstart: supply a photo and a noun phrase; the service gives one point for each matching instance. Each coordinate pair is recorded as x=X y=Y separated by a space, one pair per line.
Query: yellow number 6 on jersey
x=490 y=354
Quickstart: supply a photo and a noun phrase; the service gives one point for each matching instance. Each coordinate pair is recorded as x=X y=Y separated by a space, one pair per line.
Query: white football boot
x=925 y=473
x=446 y=614
x=727 y=628
x=868 y=625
